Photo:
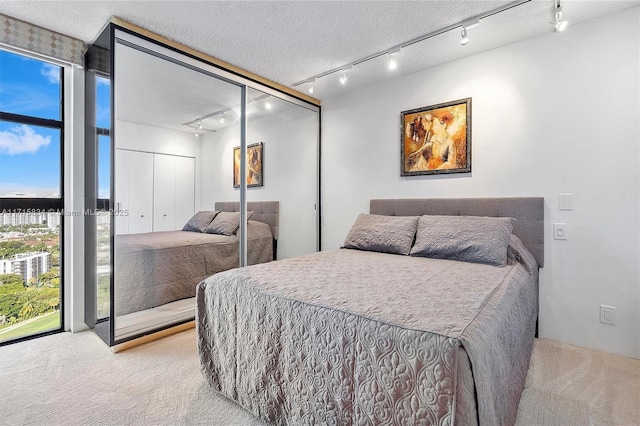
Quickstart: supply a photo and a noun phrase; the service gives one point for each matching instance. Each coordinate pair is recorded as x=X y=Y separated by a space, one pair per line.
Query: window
x=31 y=197
x=103 y=224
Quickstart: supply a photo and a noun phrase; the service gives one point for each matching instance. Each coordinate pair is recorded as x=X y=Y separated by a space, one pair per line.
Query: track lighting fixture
x=558 y=23
x=393 y=62
x=222 y=118
x=391 y=53
x=267 y=104
x=464 y=35
x=345 y=77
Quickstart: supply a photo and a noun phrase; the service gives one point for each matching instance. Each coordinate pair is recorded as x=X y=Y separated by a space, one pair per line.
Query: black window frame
x=9 y=204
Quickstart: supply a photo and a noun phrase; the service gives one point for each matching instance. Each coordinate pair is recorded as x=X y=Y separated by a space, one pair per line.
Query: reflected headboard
x=528 y=212
x=263 y=211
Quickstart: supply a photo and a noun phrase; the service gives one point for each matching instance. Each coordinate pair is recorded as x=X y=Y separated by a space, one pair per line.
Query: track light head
x=222 y=118
x=312 y=83
x=464 y=36
x=393 y=63
x=558 y=22
x=464 y=39
x=345 y=76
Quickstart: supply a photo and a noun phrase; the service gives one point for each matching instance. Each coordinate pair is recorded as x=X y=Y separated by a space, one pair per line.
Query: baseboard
x=154 y=336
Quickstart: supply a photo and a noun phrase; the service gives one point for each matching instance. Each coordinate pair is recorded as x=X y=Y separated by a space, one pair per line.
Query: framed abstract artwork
x=255 y=165
x=436 y=139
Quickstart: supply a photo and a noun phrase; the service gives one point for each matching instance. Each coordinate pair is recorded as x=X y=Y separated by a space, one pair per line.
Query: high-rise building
x=27 y=265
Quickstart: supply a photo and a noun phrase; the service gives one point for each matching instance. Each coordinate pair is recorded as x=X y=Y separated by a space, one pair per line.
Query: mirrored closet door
x=165 y=139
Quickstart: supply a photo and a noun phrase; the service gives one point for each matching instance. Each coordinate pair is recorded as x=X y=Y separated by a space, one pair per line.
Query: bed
x=363 y=336
x=156 y=268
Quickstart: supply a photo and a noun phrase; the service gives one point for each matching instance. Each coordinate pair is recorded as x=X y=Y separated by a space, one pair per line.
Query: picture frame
x=255 y=165
x=436 y=139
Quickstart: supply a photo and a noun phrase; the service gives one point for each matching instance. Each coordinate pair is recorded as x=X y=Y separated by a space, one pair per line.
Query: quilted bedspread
x=160 y=267
x=355 y=337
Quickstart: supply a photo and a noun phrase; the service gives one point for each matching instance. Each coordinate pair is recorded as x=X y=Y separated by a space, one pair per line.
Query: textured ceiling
x=291 y=41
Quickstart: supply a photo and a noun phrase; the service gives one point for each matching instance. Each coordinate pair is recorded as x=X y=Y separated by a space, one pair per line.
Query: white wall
x=290 y=173
x=554 y=114
x=141 y=137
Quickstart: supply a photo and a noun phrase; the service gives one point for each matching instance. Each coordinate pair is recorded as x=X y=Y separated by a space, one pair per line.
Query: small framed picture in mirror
x=255 y=165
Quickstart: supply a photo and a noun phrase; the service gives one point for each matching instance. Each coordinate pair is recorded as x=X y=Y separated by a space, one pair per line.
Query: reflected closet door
x=164 y=191
x=140 y=192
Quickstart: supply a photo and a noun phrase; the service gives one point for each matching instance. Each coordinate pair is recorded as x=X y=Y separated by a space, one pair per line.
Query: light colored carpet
x=74 y=379
x=567 y=385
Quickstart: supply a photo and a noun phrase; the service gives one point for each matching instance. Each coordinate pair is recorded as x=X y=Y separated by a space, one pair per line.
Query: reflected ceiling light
x=464 y=38
x=222 y=118
x=393 y=63
x=197 y=133
x=345 y=77
x=559 y=23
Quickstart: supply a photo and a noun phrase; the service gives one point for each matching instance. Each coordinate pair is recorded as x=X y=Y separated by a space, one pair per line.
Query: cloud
x=51 y=73
x=22 y=139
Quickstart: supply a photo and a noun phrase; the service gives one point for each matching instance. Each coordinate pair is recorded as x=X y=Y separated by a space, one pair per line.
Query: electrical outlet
x=607 y=314
x=559 y=231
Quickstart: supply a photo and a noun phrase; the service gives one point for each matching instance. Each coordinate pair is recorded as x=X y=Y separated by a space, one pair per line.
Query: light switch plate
x=565 y=202
x=559 y=231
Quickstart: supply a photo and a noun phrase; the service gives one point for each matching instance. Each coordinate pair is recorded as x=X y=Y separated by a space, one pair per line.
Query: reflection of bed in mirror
x=156 y=268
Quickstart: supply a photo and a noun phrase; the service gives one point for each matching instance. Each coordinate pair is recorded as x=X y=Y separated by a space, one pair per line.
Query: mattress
x=357 y=337
x=155 y=268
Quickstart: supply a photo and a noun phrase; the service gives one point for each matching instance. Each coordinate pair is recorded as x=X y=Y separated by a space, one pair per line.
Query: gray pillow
x=467 y=238
x=385 y=234
x=225 y=223
x=200 y=221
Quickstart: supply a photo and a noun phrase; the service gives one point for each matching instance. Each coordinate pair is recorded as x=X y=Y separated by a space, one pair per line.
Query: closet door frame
x=120 y=32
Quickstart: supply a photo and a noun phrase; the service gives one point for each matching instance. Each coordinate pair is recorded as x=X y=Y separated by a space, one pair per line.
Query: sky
x=30 y=155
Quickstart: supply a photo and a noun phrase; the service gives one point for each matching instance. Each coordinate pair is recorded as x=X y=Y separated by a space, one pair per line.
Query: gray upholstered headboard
x=263 y=211
x=528 y=212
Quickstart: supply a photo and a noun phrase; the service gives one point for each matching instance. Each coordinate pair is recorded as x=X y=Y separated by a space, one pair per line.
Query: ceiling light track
x=220 y=113
x=398 y=47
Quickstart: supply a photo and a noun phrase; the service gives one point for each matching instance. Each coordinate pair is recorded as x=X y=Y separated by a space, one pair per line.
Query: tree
x=54 y=302
x=26 y=310
x=9 y=279
x=50 y=275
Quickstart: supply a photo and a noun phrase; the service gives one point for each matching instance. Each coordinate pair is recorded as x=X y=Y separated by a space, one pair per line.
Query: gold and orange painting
x=254 y=165
x=436 y=139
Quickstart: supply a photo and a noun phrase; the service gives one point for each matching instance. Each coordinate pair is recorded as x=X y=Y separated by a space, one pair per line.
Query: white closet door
x=164 y=188
x=122 y=190
x=140 y=192
x=185 y=190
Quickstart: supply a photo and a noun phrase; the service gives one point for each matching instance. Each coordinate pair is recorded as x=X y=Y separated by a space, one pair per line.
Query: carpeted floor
x=74 y=379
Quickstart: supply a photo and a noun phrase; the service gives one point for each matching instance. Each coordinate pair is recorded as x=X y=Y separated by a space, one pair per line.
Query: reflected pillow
x=384 y=234
x=226 y=223
x=466 y=238
x=200 y=221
